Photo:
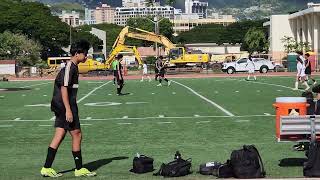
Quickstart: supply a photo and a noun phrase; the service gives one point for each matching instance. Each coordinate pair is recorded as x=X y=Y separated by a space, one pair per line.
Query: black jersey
x=67 y=77
x=119 y=71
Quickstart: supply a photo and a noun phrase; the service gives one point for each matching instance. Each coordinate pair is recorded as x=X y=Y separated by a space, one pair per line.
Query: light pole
x=156 y=22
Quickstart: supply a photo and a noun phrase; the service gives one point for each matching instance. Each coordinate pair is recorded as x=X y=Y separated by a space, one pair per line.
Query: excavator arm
x=136 y=33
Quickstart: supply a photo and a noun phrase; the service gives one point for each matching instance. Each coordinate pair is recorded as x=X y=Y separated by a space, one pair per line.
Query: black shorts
x=307 y=71
x=162 y=72
x=61 y=122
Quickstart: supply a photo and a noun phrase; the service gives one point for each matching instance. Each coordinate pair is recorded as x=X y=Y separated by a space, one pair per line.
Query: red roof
x=7 y=62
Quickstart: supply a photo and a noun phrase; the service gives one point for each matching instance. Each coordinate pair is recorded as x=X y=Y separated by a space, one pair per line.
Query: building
x=213 y=48
x=89 y=16
x=185 y=22
x=104 y=14
x=138 y=3
x=303 y=26
x=122 y=14
x=196 y=6
x=72 y=18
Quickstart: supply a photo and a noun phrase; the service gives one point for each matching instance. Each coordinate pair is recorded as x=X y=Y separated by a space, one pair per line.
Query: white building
x=122 y=14
x=89 y=16
x=72 y=18
x=196 y=6
x=303 y=26
x=104 y=14
x=185 y=22
x=138 y=3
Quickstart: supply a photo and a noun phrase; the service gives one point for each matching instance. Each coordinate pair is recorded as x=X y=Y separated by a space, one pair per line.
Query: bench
x=299 y=128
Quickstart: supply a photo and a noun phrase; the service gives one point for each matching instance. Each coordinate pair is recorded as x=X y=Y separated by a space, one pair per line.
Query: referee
x=64 y=105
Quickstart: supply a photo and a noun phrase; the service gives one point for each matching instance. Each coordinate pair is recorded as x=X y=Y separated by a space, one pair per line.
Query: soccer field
x=205 y=119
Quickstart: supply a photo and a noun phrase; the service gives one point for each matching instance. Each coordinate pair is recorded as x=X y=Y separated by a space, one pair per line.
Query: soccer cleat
x=159 y=84
x=84 y=172
x=314 y=83
x=141 y=80
x=299 y=147
x=169 y=82
x=49 y=172
x=295 y=89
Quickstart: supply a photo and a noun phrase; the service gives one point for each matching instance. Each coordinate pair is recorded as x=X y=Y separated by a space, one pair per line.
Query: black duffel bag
x=247 y=163
x=142 y=164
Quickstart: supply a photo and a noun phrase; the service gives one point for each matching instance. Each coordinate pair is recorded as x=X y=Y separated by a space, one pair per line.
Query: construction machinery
x=177 y=56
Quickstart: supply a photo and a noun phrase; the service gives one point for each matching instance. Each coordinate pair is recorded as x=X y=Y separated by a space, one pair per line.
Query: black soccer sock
x=114 y=80
x=160 y=80
x=121 y=87
x=166 y=79
x=77 y=159
x=50 y=157
x=118 y=90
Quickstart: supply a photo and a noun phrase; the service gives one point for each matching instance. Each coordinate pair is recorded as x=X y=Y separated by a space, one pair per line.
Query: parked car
x=261 y=64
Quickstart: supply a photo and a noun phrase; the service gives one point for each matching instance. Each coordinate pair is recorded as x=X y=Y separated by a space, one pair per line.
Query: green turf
x=110 y=142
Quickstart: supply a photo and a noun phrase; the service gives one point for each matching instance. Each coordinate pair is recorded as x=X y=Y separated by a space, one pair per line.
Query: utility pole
x=70 y=38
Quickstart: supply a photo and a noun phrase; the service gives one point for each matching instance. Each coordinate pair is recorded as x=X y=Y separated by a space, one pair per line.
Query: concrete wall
x=279 y=27
x=7 y=67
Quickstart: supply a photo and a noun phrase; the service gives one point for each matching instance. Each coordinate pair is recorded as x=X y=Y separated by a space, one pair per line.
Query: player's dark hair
x=299 y=52
x=307 y=94
x=161 y=57
x=316 y=89
x=81 y=46
x=119 y=56
x=307 y=54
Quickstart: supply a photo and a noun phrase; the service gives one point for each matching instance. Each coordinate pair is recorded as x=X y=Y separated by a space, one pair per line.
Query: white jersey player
x=145 y=72
x=301 y=76
x=250 y=68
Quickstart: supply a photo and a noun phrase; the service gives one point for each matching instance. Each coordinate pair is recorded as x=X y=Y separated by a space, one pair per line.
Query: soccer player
x=300 y=72
x=308 y=69
x=114 y=69
x=119 y=77
x=250 y=68
x=145 y=72
x=161 y=68
x=64 y=105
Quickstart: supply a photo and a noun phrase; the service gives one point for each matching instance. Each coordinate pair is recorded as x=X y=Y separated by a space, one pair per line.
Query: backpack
x=247 y=163
x=142 y=164
x=225 y=170
x=176 y=168
x=210 y=168
x=311 y=168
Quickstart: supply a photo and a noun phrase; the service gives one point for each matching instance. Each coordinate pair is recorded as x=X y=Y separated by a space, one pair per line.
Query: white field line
x=271 y=84
x=5 y=126
x=36 y=85
x=124 y=123
x=89 y=93
x=206 y=99
x=145 y=118
x=201 y=122
x=84 y=97
x=164 y=122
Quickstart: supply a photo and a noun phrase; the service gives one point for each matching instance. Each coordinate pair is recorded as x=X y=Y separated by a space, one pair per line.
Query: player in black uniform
x=161 y=69
x=64 y=106
x=308 y=68
x=118 y=75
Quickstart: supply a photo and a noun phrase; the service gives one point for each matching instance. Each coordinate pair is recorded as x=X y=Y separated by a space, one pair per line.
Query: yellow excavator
x=177 y=56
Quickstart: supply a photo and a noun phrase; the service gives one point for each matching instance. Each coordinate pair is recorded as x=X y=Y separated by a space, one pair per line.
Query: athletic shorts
x=61 y=122
x=161 y=73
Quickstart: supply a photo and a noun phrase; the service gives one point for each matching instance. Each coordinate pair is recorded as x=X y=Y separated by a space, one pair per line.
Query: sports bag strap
x=160 y=170
x=263 y=172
